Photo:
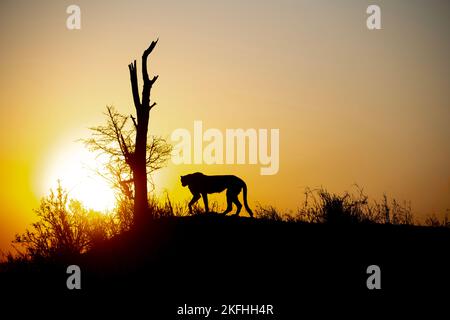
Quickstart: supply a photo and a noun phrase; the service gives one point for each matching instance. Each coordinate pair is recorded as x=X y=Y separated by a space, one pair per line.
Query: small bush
x=269 y=213
x=64 y=228
x=321 y=206
x=433 y=221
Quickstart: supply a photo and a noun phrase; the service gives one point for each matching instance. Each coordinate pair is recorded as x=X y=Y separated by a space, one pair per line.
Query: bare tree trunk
x=139 y=167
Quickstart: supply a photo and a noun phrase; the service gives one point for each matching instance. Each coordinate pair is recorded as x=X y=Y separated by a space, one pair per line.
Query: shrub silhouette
x=269 y=213
x=65 y=228
x=434 y=221
x=322 y=206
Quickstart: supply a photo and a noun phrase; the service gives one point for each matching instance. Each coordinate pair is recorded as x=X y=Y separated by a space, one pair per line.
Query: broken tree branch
x=134 y=120
x=134 y=84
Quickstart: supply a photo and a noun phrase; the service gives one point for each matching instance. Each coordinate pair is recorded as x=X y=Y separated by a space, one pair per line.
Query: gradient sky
x=352 y=105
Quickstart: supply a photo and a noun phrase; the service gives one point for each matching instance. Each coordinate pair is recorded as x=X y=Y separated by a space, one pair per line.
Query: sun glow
x=76 y=168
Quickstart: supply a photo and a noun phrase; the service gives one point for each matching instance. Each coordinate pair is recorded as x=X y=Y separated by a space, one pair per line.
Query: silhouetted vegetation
x=325 y=207
x=64 y=228
x=321 y=206
x=116 y=141
x=433 y=221
x=137 y=159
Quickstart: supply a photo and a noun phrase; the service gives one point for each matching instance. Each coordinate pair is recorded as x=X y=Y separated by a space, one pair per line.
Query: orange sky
x=352 y=105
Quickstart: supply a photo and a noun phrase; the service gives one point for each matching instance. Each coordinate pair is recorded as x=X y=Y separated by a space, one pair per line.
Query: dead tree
x=143 y=107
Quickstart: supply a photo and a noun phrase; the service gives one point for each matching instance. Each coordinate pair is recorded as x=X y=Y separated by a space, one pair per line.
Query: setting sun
x=77 y=168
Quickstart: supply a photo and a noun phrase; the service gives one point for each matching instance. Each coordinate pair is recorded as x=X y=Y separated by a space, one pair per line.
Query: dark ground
x=214 y=260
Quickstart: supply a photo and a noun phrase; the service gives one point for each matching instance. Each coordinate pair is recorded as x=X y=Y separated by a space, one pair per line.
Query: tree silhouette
x=116 y=140
x=137 y=160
